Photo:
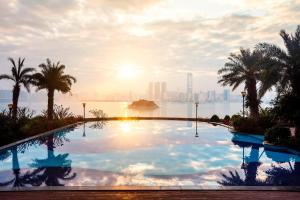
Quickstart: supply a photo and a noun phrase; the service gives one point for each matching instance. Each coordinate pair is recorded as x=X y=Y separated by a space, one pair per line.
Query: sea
x=120 y=109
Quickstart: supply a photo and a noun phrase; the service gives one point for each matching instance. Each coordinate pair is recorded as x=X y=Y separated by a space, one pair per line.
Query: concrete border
x=39 y=135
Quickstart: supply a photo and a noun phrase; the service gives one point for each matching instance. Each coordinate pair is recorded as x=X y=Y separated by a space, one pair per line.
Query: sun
x=125 y=126
x=127 y=71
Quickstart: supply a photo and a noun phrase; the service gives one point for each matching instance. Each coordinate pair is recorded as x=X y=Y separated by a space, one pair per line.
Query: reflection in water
x=276 y=176
x=53 y=168
x=97 y=125
x=189 y=113
x=147 y=154
x=125 y=126
x=196 y=135
x=83 y=135
x=46 y=172
x=19 y=180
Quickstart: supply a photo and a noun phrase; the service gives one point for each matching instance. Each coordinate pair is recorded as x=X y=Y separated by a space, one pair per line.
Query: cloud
x=128 y=5
x=101 y=35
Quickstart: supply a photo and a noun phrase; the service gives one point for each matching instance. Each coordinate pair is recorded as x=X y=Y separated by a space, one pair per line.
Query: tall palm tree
x=21 y=76
x=286 y=63
x=244 y=67
x=51 y=78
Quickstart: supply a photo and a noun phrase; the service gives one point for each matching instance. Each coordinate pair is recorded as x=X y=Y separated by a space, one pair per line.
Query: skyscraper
x=150 y=91
x=189 y=87
x=226 y=95
x=211 y=96
x=163 y=91
x=157 y=91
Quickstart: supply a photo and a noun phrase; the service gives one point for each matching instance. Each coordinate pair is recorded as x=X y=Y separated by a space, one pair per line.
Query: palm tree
x=285 y=74
x=51 y=78
x=244 y=67
x=21 y=76
x=286 y=63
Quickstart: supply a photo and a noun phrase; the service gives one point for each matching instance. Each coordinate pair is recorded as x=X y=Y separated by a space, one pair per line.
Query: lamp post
x=10 y=106
x=83 y=104
x=243 y=93
x=196 y=103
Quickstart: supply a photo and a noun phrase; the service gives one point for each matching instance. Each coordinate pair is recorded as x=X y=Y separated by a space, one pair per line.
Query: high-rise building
x=157 y=91
x=150 y=91
x=211 y=97
x=163 y=91
x=226 y=95
x=189 y=87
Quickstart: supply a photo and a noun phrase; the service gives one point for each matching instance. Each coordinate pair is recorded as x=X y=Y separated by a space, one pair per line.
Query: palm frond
x=5 y=76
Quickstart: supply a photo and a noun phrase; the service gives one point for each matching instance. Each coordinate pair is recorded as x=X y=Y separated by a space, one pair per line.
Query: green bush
x=227 y=118
x=7 y=129
x=246 y=125
x=267 y=118
x=215 y=118
x=278 y=135
x=40 y=124
x=234 y=117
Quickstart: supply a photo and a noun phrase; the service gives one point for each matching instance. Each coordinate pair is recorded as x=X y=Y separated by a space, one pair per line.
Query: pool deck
x=144 y=195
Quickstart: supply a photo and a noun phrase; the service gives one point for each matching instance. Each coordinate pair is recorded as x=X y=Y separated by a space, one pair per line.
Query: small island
x=143 y=104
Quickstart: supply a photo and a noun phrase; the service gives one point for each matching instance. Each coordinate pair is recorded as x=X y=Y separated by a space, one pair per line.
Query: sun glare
x=127 y=71
x=125 y=126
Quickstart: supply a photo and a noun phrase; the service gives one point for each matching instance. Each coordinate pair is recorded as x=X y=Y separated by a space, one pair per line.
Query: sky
x=114 y=46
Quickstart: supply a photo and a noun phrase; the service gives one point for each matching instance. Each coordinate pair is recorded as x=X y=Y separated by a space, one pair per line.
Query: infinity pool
x=147 y=153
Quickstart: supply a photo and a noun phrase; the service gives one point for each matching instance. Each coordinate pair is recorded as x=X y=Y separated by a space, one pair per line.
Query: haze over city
x=113 y=45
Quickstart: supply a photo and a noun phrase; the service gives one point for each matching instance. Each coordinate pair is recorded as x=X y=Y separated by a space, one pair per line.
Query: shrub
x=246 y=125
x=215 y=118
x=227 y=118
x=99 y=114
x=7 y=133
x=234 y=117
x=267 y=118
x=278 y=135
x=40 y=124
x=59 y=112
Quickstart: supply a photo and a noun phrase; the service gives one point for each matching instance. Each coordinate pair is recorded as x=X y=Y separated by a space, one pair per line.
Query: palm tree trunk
x=15 y=99
x=252 y=98
x=50 y=104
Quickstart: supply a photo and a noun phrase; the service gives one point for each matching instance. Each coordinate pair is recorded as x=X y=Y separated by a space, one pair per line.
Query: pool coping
x=153 y=188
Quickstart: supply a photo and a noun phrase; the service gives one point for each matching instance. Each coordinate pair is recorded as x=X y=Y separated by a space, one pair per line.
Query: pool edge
x=39 y=135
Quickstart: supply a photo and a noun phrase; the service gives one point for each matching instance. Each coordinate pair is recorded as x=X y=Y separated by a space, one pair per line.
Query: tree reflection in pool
x=152 y=153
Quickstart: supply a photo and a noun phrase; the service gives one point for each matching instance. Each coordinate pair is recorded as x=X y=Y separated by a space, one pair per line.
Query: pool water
x=147 y=153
